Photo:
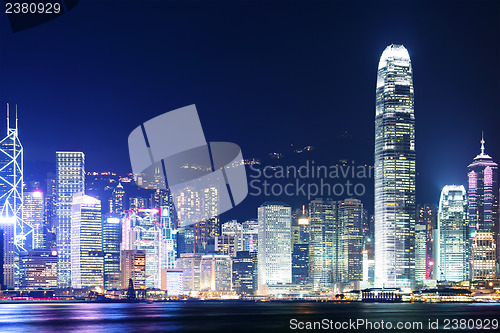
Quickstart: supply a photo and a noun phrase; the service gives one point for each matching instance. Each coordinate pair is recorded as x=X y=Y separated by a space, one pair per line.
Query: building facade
x=323 y=244
x=395 y=208
x=111 y=241
x=483 y=216
x=452 y=241
x=38 y=269
x=70 y=179
x=86 y=242
x=274 y=251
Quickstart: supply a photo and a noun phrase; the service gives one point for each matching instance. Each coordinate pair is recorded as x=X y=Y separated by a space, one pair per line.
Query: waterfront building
x=274 y=250
x=168 y=239
x=86 y=254
x=452 y=262
x=483 y=216
x=427 y=220
x=145 y=234
x=38 y=269
x=395 y=208
x=350 y=247
x=216 y=273
x=189 y=263
x=111 y=241
x=70 y=179
x=172 y=282
x=243 y=273
x=133 y=266
x=16 y=231
x=323 y=267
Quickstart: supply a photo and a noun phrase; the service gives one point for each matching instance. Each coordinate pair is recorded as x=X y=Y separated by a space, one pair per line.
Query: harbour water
x=246 y=317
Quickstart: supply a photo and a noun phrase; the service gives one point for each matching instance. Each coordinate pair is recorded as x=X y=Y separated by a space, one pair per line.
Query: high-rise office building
x=70 y=179
x=86 y=242
x=350 y=249
x=300 y=263
x=424 y=242
x=168 y=239
x=133 y=266
x=146 y=235
x=323 y=242
x=452 y=262
x=33 y=215
x=243 y=269
x=235 y=230
x=189 y=263
x=117 y=200
x=216 y=273
x=483 y=215
x=16 y=232
x=38 y=269
x=394 y=170
x=51 y=210
x=274 y=251
x=111 y=240
x=250 y=235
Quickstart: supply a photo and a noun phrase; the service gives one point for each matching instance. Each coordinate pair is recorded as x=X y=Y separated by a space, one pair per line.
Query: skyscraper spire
x=482 y=142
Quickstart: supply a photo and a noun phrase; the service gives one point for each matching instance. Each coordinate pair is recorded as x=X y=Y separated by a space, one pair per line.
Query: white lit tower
x=11 y=201
x=395 y=210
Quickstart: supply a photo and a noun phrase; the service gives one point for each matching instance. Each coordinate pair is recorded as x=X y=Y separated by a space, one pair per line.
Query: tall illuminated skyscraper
x=483 y=215
x=452 y=262
x=86 y=242
x=394 y=170
x=350 y=220
x=70 y=180
x=322 y=244
x=111 y=241
x=274 y=253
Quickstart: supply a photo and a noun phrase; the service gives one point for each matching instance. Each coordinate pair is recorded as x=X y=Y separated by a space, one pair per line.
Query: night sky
x=264 y=75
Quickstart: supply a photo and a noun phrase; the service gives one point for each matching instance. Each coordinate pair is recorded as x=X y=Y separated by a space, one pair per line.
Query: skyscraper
x=11 y=202
x=243 y=269
x=350 y=215
x=111 y=240
x=86 y=254
x=483 y=215
x=33 y=215
x=274 y=252
x=133 y=266
x=216 y=272
x=424 y=242
x=70 y=180
x=452 y=262
x=117 y=200
x=322 y=244
x=394 y=170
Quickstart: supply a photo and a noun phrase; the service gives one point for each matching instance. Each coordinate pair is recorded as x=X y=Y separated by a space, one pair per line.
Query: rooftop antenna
x=7 y=118
x=16 y=118
x=482 y=142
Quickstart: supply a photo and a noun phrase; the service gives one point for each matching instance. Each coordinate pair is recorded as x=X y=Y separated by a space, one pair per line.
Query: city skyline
x=443 y=57
x=344 y=240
